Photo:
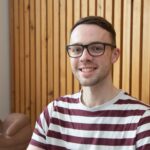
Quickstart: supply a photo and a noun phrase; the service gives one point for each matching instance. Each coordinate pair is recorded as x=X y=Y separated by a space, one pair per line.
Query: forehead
x=86 y=33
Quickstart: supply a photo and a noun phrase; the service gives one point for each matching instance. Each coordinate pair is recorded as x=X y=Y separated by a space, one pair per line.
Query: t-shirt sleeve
x=143 y=132
x=41 y=127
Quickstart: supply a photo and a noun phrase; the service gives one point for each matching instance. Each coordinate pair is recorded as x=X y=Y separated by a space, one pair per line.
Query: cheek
x=73 y=63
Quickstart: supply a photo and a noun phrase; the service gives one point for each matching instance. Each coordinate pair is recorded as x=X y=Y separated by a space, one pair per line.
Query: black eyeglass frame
x=86 y=46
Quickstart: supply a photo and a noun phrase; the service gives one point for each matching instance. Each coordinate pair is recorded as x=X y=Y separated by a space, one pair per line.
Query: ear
x=115 y=55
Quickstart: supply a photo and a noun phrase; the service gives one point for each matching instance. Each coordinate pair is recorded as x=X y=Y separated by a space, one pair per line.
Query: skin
x=94 y=73
x=31 y=147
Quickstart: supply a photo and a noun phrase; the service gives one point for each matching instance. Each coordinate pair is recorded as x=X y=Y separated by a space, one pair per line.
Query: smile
x=87 y=69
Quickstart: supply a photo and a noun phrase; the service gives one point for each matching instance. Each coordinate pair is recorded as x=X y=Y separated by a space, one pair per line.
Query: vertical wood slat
x=21 y=48
x=69 y=14
x=38 y=56
x=126 y=46
x=50 y=50
x=136 y=47
x=62 y=47
x=118 y=26
x=145 y=95
x=40 y=30
x=100 y=8
x=27 y=57
x=43 y=52
x=84 y=8
x=109 y=14
x=16 y=56
x=32 y=59
x=92 y=8
x=56 y=50
x=11 y=28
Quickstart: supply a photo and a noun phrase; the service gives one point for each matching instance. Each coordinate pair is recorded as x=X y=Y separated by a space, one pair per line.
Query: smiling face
x=87 y=69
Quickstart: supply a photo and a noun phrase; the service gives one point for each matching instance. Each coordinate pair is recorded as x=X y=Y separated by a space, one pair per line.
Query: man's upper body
x=100 y=116
x=122 y=123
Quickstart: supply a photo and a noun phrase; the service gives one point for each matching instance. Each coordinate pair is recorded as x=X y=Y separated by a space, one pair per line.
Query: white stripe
x=39 y=129
x=96 y=120
x=75 y=146
x=147 y=113
x=38 y=138
x=143 y=128
x=143 y=141
x=43 y=122
x=99 y=108
x=94 y=134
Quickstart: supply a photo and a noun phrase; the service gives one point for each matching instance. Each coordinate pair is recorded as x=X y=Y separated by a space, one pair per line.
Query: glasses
x=94 y=49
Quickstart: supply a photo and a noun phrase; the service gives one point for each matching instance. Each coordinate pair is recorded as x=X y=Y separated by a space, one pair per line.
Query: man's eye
x=76 y=50
x=97 y=48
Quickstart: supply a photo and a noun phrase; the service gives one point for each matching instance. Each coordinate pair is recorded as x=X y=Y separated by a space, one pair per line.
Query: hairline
x=98 y=21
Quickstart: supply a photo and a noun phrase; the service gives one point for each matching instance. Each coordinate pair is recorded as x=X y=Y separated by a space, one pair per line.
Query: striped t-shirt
x=123 y=123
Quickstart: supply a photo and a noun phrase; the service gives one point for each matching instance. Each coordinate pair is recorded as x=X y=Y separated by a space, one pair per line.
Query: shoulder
x=67 y=99
x=132 y=103
x=62 y=101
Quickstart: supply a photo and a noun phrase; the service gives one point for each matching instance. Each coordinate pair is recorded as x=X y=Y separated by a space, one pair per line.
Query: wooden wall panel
x=38 y=56
x=16 y=56
x=50 y=50
x=76 y=16
x=84 y=8
x=11 y=28
x=136 y=49
x=56 y=49
x=145 y=56
x=43 y=52
x=69 y=23
x=62 y=46
x=22 y=56
x=32 y=61
x=39 y=31
x=118 y=19
x=27 y=57
x=126 y=48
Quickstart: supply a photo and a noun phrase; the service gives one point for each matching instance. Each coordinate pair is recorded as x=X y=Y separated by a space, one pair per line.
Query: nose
x=85 y=55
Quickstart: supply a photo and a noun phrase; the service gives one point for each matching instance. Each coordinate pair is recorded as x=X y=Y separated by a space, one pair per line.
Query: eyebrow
x=94 y=42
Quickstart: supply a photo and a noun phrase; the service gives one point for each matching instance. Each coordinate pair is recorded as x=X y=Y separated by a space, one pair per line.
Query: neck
x=97 y=95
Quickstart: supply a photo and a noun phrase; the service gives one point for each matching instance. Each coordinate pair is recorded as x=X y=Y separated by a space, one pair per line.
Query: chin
x=88 y=82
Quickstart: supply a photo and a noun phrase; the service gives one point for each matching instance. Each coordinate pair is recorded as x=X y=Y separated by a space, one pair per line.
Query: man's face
x=87 y=69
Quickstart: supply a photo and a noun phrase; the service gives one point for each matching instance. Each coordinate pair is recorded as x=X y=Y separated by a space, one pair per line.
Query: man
x=100 y=116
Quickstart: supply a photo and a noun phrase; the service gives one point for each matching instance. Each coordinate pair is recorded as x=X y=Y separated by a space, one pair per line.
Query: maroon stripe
x=46 y=116
x=94 y=127
x=47 y=146
x=103 y=113
x=130 y=101
x=38 y=144
x=68 y=99
x=144 y=120
x=39 y=122
x=145 y=147
x=127 y=101
x=143 y=135
x=93 y=141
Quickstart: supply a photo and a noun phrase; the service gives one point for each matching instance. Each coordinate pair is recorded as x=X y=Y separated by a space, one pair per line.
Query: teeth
x=87 y=69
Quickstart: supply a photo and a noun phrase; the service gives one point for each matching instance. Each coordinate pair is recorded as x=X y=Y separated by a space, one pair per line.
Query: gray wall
x=4 y=60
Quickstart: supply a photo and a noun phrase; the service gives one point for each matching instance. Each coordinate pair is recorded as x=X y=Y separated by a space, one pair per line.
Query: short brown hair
x=99 y=21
